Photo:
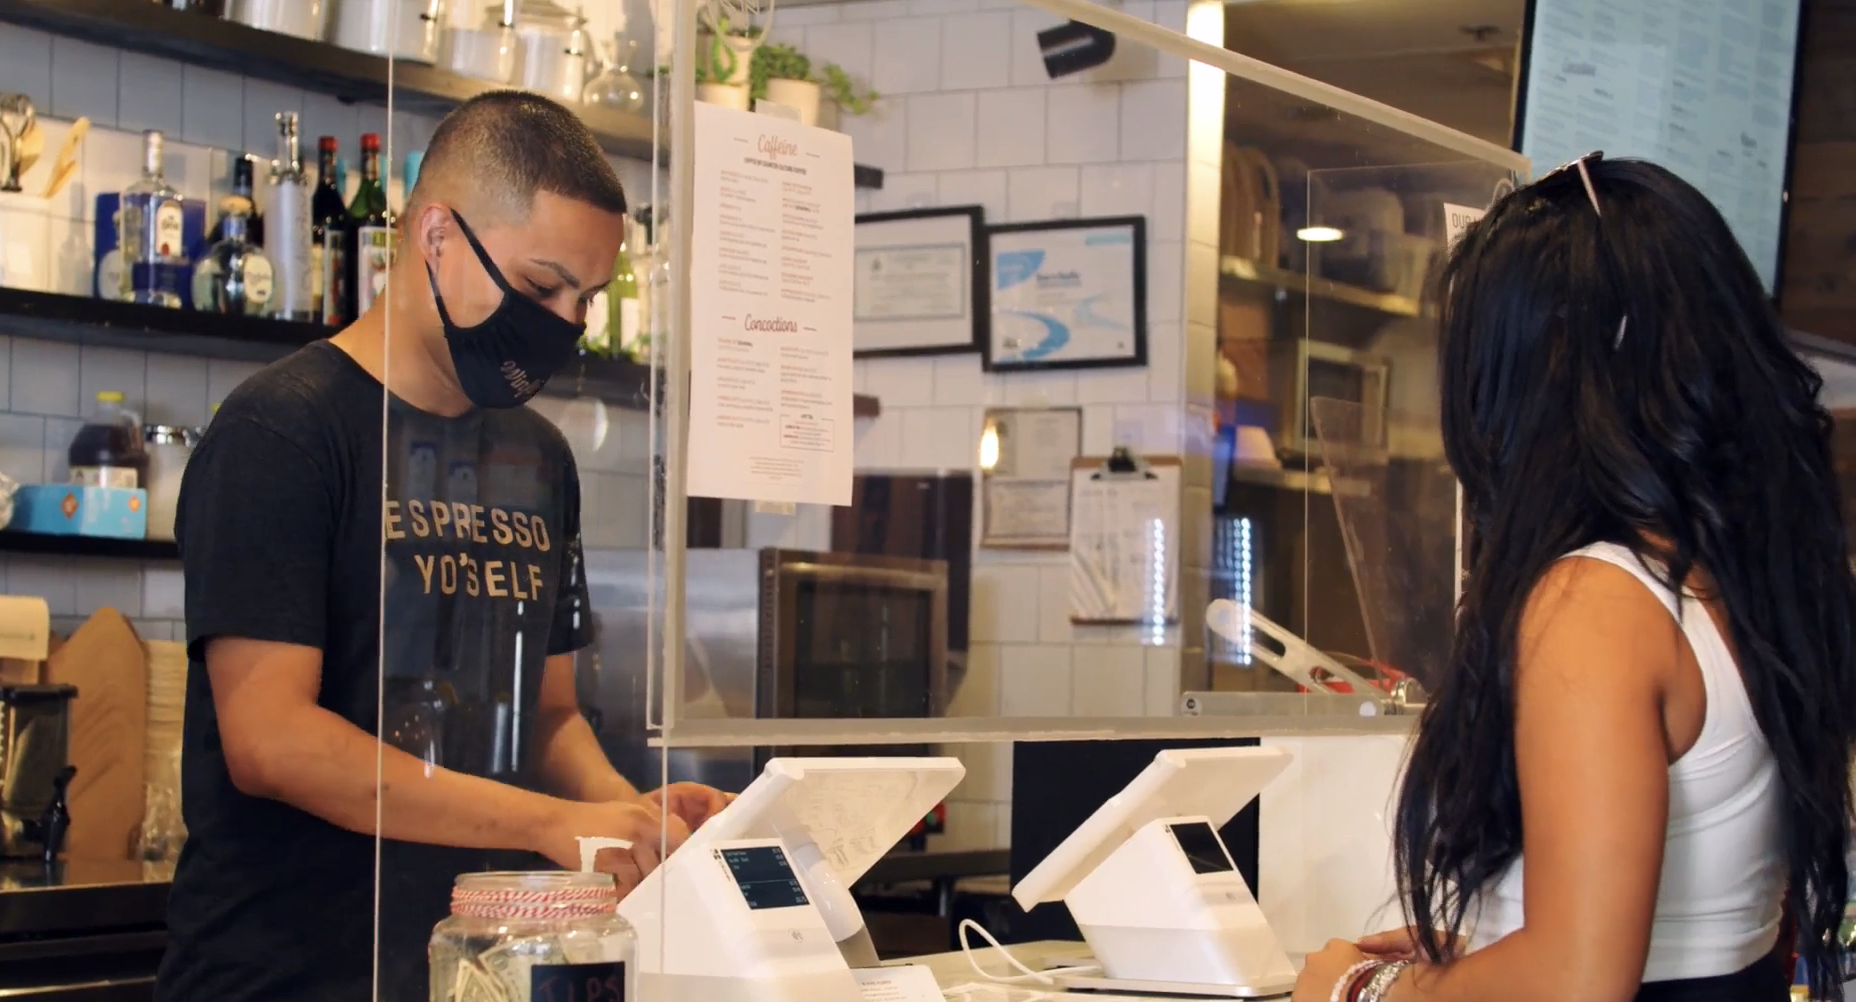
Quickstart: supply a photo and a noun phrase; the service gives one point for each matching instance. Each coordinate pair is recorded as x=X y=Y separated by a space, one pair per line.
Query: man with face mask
x=439 y=609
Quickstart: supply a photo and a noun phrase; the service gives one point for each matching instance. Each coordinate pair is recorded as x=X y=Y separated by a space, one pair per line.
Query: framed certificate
x=1067 y=294
x=919 y=284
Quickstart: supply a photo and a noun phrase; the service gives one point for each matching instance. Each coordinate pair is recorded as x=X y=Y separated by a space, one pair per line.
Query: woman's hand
x=1322 y=971
x=1402 y=944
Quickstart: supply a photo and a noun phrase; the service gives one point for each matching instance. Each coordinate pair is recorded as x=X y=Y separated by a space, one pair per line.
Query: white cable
x=966 y=950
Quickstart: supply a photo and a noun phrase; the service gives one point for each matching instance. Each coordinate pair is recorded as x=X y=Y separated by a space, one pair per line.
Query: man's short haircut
x=500 y=148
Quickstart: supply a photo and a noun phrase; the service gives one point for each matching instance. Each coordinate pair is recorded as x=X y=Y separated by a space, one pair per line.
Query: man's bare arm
x=280 y=745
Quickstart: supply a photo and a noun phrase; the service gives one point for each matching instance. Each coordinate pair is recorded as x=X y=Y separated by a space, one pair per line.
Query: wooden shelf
x=349 y=76
x=1244 y=270
x=82 y=320
x=87 y=546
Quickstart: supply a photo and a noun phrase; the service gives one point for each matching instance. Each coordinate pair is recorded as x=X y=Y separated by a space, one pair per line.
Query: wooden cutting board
x=109 y=724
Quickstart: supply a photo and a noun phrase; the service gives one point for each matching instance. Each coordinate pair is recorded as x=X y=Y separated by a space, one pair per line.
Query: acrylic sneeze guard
x=1238 y=173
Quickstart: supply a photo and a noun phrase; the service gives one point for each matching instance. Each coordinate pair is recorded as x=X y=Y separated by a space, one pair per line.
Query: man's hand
x=693 y=803
x=652 y=835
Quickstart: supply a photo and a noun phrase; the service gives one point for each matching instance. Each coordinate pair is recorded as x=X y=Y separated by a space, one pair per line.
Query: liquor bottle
x=254 y=223
x=154 y=253
x=328 y=250
x=372 y=229
x=235 y=277
x=287 y=230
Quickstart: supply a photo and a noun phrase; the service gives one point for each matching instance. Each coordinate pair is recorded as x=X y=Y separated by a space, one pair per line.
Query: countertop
x=960 y=983
x=80 y=895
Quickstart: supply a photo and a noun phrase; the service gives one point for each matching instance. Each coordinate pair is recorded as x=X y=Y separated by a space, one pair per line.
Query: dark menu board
x=1703 y=87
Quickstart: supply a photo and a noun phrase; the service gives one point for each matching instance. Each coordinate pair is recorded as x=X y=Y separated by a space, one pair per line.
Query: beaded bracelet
x=1344 y=988
x=1382 y=980
x=1360 y=980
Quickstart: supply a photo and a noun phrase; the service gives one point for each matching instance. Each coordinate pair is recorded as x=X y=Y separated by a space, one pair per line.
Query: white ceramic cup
x=26 y=260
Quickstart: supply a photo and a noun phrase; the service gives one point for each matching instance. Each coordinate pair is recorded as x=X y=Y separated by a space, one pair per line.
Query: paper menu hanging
x=1124 y=543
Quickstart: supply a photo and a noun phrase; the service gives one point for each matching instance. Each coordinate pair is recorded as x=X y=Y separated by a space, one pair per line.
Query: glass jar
x=168 y=449
x=527 y=936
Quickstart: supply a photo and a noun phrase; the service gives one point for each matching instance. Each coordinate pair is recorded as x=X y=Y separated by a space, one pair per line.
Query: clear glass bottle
x=150 y=233
x=509 y=931
x=615 y=87
x=235 y=276
x=370 y=224
x=287 y=230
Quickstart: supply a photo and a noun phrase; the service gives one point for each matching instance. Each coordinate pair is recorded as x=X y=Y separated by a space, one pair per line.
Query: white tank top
x=1718 y=905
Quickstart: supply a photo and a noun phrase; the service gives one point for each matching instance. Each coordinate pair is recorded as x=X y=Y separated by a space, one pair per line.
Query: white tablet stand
x=1154 y=890
x=756 y=906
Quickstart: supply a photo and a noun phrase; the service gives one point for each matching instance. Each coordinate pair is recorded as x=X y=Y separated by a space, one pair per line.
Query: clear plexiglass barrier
x=1077 y=348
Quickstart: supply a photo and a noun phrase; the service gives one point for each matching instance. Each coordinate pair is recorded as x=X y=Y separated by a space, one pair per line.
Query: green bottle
x=622 y=300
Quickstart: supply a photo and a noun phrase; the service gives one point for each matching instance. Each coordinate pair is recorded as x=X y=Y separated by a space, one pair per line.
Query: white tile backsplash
x=213 y=110
x=1083 y=124
x=1110 y=680
x=1153 y=116
x=941 y=131
x=1011 y=127
x=263 y=101
x=149 y=94
x=113 y=370
x=976 y=51
x=84 y=81
x=984 y=188
x=1035 y=680
x=880 y=138
x=45 y=378
x=26 y=63
x=1034 y=193
x=850 y=44
x=908 y=56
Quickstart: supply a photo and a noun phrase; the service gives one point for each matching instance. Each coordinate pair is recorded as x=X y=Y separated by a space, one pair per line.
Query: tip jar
x=532 y=937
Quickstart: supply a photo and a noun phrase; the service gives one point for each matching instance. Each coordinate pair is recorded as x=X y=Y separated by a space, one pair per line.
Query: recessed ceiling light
x=1319 y=234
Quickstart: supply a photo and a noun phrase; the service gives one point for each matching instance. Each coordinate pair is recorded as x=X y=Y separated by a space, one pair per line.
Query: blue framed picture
x=1067 y=294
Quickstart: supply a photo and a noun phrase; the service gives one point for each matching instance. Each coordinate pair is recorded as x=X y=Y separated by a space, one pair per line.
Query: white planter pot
x=727 y=95
x=800 y=95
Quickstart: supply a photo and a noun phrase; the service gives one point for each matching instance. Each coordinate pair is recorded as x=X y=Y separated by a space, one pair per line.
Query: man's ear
x=430 y=228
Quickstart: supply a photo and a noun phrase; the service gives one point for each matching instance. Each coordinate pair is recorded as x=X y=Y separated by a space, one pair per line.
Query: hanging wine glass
x=615 y=87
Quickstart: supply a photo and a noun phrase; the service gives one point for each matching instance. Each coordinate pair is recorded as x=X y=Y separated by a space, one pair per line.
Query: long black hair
x=1699 y=428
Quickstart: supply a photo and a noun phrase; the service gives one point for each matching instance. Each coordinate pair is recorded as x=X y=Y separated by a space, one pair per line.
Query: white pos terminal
x=1154 y=891
x=756 y=906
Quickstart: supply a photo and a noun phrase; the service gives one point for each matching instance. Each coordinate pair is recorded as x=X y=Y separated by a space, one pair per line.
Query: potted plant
x=724 y=58
x=841 y=96
x=783 y=75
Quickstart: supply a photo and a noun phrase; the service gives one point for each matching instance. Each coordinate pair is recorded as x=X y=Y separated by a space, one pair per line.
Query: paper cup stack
x=167 y=707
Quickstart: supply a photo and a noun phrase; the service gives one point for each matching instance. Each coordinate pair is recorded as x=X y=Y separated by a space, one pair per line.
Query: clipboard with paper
x=1124 y=539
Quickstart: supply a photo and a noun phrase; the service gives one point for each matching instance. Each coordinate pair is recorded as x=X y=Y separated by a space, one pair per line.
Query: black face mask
x=509 y=357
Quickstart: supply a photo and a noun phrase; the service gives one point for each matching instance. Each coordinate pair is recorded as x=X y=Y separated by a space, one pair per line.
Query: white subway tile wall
x=969 y=116
x=45 y=387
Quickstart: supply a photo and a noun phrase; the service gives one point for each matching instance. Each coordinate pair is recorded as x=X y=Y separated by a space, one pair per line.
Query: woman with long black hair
x=1638 y=760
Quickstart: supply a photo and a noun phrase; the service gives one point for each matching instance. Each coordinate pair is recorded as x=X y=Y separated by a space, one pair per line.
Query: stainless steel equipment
x=35 y=768
x=771 y=633
x=1311 y=369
